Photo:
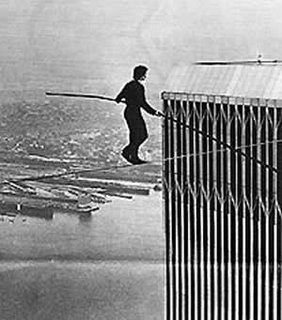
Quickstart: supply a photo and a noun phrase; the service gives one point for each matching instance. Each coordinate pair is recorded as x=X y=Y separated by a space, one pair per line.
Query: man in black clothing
x=133 y=94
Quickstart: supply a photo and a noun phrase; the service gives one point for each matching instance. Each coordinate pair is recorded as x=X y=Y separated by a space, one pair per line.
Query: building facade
x=222 y=166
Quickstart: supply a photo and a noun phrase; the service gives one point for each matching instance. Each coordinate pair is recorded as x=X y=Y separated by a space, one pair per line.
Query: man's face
x=143 y=78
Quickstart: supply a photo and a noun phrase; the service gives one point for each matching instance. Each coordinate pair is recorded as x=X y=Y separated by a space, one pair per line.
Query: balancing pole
x=79 y=95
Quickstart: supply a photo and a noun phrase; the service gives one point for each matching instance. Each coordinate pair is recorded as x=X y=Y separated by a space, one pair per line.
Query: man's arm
x=122 y=94
x=147 y=107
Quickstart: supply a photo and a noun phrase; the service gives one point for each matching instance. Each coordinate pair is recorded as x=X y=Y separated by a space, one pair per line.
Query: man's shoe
x=130 y=158
x=126 y=156
x=138 y=161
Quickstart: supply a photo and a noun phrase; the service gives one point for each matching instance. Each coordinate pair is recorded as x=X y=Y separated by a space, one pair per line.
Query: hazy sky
x=91 y=45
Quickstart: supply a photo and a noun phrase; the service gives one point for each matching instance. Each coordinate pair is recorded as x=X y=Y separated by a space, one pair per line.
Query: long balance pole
x=79 y=95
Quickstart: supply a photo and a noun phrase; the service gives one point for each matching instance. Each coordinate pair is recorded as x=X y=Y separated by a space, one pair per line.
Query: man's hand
x=117 y=100
x=159 y=114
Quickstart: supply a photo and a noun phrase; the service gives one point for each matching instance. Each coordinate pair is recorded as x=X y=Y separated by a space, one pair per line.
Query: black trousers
x=137 y=131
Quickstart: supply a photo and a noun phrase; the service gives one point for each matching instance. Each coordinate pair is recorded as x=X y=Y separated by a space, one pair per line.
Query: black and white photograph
x=140 y=160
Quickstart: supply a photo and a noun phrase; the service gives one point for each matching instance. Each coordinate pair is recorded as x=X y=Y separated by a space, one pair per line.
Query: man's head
x=139 y=73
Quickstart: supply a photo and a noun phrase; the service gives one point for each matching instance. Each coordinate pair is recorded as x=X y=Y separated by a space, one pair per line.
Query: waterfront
x=81 y=291
x=107 y=267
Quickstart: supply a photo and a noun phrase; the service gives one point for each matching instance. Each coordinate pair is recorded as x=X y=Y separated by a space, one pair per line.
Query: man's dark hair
x=139 y=72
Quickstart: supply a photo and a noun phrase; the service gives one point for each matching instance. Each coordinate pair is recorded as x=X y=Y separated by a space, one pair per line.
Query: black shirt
x=134 y=95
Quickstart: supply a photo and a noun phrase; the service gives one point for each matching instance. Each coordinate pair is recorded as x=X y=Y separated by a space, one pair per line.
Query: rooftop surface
x=250 y=81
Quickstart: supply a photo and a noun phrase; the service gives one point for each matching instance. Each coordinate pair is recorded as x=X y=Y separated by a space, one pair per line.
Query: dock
x=30 y=191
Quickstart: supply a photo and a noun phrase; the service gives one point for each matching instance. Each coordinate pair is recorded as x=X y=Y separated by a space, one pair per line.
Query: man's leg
x=137 y=135
x=127 y=150
x=140 y=136
x=130 y=152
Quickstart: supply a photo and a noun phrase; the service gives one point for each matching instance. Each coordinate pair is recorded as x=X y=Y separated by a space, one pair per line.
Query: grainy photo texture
x=140 y=160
